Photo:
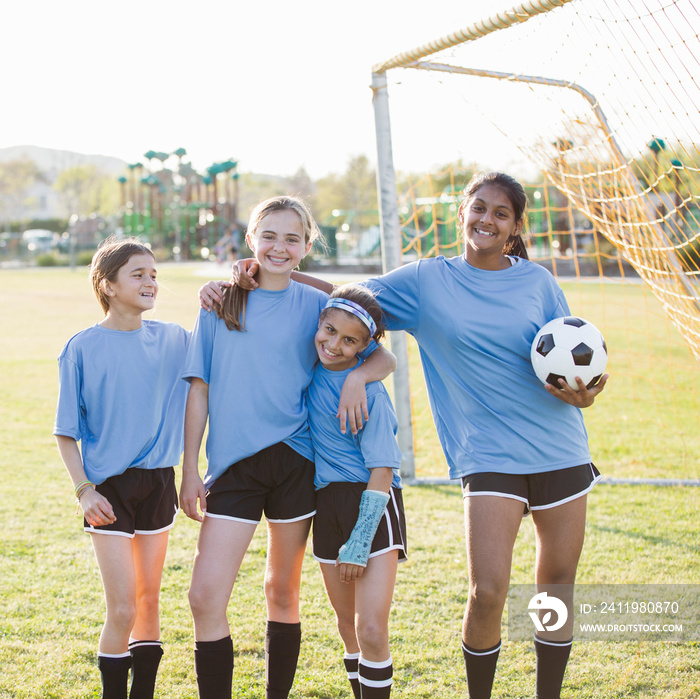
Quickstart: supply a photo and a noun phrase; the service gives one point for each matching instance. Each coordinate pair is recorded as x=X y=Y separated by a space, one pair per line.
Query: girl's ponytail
x=232 y=308
x=515 y=246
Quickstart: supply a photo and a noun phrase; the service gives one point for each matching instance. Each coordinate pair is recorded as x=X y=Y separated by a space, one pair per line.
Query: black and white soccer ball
x=566 y=348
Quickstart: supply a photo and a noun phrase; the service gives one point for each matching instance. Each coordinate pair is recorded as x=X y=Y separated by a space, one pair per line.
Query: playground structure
x=177 y=209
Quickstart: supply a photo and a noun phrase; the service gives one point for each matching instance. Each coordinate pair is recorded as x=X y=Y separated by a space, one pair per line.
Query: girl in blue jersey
x=122 y=397
x=474 y=318
x=359 y=527
x=248 y=366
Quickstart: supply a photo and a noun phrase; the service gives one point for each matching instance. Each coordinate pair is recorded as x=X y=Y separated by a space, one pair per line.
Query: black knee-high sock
x=375 y=678
x=282 y=644
x=145 y=658
x=115 y=674
x=213 y=663
x=552 y=657
x=481 y=669
x=351 y=661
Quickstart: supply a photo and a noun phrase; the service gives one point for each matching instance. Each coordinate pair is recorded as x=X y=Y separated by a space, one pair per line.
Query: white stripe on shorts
x=575 y=496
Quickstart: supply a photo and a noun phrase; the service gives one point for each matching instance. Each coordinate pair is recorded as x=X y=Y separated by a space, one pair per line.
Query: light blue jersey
x=474 y=329
x=348 y=457
x=257 y=379
x=122 y=397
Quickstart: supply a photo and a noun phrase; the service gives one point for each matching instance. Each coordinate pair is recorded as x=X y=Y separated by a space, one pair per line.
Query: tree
x=16 y=179
x=355 y=192
x=254 y=188
x=448 y=179
x=301 y=185
x=84 y=190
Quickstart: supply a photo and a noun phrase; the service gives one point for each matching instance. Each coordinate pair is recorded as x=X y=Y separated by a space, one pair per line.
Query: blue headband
x=356 y=310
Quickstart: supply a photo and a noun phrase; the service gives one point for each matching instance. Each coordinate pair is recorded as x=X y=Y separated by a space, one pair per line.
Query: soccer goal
x=594 y=104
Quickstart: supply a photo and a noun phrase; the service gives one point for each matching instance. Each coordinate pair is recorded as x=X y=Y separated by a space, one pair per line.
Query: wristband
x=81 y=488
x=356 y=549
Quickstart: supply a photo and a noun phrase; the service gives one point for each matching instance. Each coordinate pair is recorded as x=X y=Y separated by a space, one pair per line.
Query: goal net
x=594 y=104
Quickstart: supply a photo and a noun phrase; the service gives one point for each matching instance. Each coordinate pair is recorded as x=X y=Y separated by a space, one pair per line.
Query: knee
x=122 y=614
x=372 y=637
x=550 y=571
x=281 y=596
x=488 y=597
x=200 y=601
x=148 y=603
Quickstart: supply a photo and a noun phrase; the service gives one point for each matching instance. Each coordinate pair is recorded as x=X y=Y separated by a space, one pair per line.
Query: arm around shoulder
x=317 y=283
x=352 y=407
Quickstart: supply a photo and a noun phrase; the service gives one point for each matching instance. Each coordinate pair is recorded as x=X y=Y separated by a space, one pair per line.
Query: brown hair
x=515 y=245
x=110 y=257
x=233 y=305
x=362 y=297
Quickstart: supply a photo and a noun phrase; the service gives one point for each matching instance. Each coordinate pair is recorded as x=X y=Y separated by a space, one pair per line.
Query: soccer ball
x=568 y=347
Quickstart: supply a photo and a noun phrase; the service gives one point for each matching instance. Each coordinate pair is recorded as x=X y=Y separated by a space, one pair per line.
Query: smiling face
x=279 y=246
x=489 y=220
x=339 y=338
x=135 y=287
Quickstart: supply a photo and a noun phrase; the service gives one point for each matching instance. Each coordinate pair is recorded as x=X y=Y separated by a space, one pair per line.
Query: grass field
x=50 y=590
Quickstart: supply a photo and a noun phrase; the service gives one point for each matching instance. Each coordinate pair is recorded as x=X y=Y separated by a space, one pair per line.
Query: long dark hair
x=515 y=245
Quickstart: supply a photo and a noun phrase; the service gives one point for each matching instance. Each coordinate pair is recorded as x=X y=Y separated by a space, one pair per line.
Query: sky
x=275 y=85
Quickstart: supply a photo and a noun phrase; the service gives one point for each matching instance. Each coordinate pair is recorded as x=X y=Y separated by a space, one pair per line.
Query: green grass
x=52 y=605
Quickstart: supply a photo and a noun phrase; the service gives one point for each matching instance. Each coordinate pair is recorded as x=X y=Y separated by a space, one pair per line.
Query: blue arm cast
x=356 y=549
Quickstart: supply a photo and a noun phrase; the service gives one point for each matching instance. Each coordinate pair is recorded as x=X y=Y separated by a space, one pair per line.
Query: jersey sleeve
x=557 y=302
x=398 y=293
x=378 y=436
x=70 y=412
x=562 y=308
x=200 y=347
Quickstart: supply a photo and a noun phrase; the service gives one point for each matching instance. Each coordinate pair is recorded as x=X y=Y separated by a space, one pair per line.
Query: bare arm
x=96 y=508
x=192 y=489
x=243 y=274
x=313 y=281
x=381 y=479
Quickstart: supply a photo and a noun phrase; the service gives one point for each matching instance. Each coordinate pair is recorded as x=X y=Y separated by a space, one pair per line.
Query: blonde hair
x=111 y=256
x=233 y=305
